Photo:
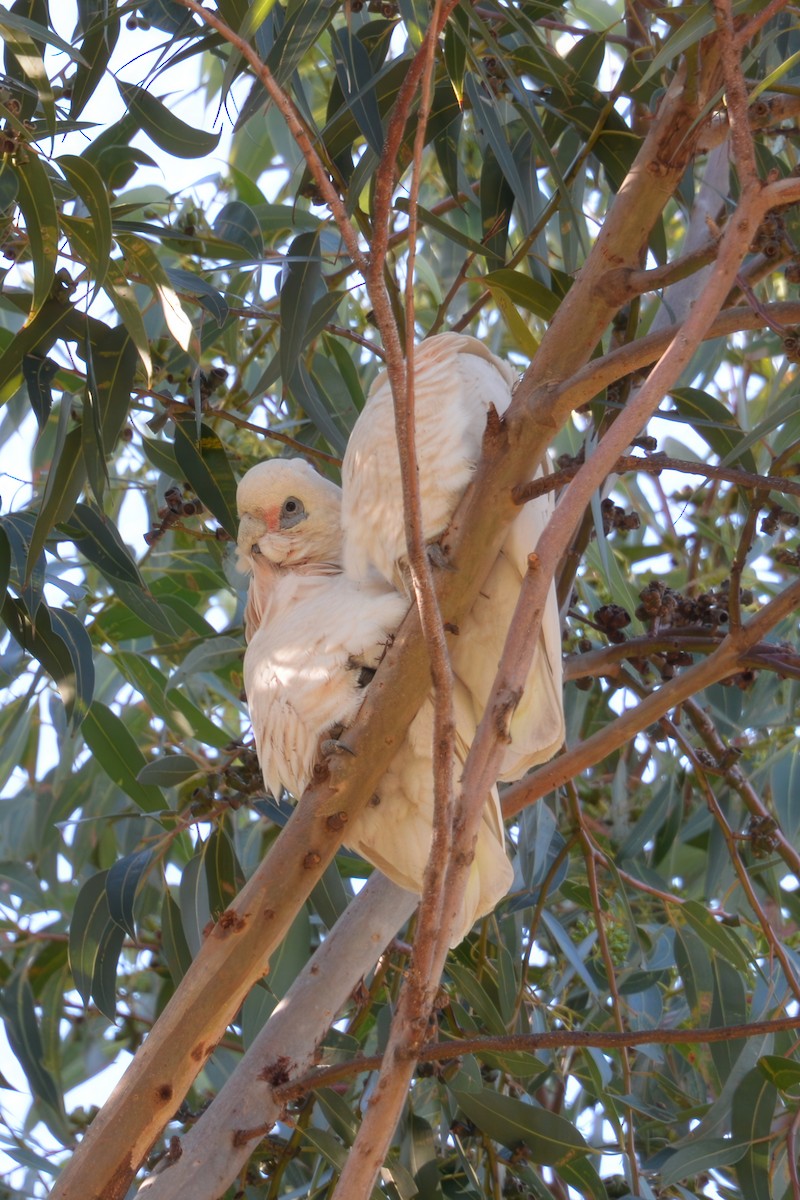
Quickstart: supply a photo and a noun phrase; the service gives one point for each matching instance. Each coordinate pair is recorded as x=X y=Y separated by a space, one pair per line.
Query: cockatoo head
x=289 y=514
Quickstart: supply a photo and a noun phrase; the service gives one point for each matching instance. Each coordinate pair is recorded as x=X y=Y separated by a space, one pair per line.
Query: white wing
x=303 y=667
x=456 y=379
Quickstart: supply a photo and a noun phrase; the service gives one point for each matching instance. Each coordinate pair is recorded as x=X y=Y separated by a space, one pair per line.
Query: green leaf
x=169 y=771
x=224 y=876
x=22 y=1028
x=123 y=297
x=469 y=988
x=329 y=896
x=302 y=282
x=95 y=943
x=61 y=644
x=206 y=467
x=92 y=445
x=98 y=45
x=207 y=296
x=456 y=35
x=303 y=26
x=39 y=373
x=38 y=32
x=302 y=388
x=551 y=1139
x=177 y=954
x=357 y=81
x=238 y=224
x=113 y=745
x=173 y=706
x=525 y=292
x=169 y=132
x=84 y=177
x=18 y=41
x=723 y=941
x=728 y=1007
x=122 y=885
x=98 y=538
x=143 y=260
x=715 y=424
x=782 y=1073
x=699 y=24
x=701 y=1156
x=752 y=1113
x=36 y=336
x=38 y=206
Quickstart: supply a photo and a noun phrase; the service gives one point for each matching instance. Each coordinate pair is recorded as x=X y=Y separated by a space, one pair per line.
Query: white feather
x=456 y=380
x=312 y=628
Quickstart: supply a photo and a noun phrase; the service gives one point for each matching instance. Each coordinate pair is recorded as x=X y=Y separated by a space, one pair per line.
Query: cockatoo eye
x=292 y=513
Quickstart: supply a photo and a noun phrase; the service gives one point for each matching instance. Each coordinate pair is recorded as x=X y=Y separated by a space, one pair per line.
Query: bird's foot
x=439 y=557
x=330 y=746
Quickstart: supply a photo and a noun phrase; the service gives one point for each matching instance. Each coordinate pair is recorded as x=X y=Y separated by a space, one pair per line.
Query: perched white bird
x=315 y=637
x=456 y=380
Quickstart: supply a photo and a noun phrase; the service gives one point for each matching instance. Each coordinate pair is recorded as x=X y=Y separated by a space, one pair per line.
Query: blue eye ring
x=292 y=512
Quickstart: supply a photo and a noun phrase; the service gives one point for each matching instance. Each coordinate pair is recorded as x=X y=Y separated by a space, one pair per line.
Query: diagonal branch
x=218 y=1146
x=725 y=661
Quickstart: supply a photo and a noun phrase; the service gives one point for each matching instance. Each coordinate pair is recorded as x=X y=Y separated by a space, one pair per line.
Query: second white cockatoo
x=315 y=637
x=456 y=381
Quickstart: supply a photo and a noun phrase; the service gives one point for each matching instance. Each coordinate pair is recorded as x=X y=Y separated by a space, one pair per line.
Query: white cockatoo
x=315 y=637
x=456 y=380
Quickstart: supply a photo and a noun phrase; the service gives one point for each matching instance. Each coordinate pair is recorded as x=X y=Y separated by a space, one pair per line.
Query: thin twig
x=748 y=31
x=531 y=1042
x=654 y=465
x=742 y=146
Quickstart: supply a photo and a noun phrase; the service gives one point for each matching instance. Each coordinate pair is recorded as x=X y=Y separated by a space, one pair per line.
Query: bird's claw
x=438 y=557
x=330 y=746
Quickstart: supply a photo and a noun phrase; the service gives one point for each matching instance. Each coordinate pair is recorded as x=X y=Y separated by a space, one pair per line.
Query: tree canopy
x=218 y=222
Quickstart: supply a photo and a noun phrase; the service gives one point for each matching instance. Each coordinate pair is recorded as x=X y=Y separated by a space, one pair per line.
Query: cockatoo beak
x=251 y=530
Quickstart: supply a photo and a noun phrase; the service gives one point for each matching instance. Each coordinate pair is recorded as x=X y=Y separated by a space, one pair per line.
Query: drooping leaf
x=716 y=936
x=752 y=1113
x=168 y=771
x=95 y=943
x=18 y=39
x=224 y=875
x=551 y=1139
x=123 y=297
x=237 y=223
x=38 y=206
x=100 y=38
x=143 y=261
x=115 y=749
x=39 y=373
x=176 y=951
x=714 y=423
x=88 y=183
x=60 y=643
x=122 y=884
x=161 y=125
x=783 y=1073
x=207 y=468
x=24 y=1036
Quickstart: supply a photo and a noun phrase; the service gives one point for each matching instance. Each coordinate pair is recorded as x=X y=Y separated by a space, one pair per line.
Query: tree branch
x=558 y=1039
x=218 y=1146
x=653 y=465
x=725 y=661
